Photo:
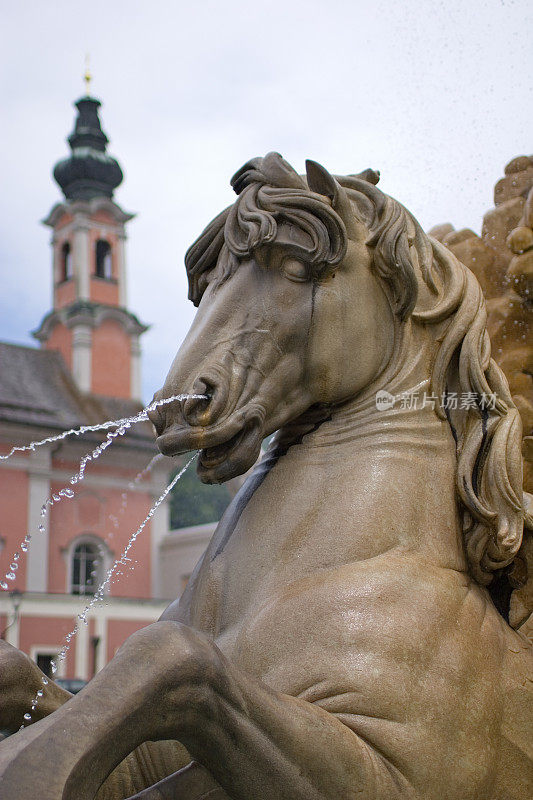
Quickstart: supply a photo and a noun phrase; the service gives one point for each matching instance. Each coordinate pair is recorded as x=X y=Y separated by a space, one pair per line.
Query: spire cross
x=87 y=77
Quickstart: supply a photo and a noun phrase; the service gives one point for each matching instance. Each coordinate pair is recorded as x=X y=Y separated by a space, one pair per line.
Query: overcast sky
x=436 y=95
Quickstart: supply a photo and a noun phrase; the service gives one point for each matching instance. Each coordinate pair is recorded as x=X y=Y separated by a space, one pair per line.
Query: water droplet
x=44 y=680
x=11 y=576
x=41 y=528
x=4 y=586
x=16 y=556
x=40 y=693
x=14 y=566
x=56 y=498
x=24 y=547
x=27 y=715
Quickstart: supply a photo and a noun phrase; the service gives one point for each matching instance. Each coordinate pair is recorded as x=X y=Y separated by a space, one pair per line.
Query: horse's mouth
x=220 y=458
x=213 y=456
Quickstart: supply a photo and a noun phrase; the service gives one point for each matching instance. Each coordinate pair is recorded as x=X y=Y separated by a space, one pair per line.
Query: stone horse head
x=316 y=290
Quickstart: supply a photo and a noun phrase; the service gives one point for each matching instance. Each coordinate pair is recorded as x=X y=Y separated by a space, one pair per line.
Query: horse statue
x=344 y=635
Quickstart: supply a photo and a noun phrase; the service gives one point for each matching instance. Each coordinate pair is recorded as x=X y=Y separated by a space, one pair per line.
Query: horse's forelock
x=256 y=218
x=262 y=210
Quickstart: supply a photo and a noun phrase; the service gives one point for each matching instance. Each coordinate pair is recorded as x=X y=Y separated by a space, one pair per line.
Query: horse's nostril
x=157 y=420
x=196 y=410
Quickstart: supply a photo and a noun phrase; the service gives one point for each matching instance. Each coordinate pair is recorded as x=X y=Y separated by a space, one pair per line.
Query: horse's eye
x=295 y=270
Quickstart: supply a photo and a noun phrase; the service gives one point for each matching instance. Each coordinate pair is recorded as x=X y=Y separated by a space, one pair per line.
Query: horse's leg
x=169 y=682
x=20 y=680
x=71 y=753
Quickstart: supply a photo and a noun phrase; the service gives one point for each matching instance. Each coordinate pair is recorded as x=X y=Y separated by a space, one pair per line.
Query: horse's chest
x=233 y=581
x=281 y=528
x=257 y=549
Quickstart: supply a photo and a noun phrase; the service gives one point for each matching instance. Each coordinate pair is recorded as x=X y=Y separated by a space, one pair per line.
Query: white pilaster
x=135 y=381
x=82 y=258
x=12 y=634
x=121 y=270
x=100 y=630
x=82 y=356
x=38 y=494
x=81 y=662
x=55 y=267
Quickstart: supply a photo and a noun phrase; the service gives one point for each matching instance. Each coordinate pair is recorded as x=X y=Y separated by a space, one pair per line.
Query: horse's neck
x=394 y=469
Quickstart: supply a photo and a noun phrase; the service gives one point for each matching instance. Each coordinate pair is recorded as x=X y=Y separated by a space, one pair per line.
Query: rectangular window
x=44 y=662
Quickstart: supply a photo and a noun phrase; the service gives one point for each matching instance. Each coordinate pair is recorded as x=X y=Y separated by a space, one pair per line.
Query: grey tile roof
x=37 y=389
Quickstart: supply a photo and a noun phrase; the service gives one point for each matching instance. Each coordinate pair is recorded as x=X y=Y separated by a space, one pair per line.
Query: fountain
x=345 y=633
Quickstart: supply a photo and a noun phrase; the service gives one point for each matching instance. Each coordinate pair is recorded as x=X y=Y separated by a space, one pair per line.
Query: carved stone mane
x=427 y=285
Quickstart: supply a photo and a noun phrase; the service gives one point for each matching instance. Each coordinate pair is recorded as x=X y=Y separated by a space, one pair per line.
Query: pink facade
x=13 y=528
x=65 y=293
x=111 y=360
x=119 y=630
x=42 y=635
x=97 y=513
x=61 y=340
x=103 y=291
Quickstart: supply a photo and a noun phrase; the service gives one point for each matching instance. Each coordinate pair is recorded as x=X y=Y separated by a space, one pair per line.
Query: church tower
x=90 y=323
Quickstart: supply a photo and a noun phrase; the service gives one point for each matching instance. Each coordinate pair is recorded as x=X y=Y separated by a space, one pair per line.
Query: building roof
x=37 y=389
x=89 y=171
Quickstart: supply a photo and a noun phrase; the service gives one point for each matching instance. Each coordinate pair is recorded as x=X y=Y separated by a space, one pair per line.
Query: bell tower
x=90 y=323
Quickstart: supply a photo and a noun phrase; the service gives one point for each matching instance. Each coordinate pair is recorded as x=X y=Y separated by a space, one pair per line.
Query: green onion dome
x=89 y=171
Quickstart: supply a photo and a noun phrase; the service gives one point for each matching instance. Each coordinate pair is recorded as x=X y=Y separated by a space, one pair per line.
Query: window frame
x=104 y=261
x=102 y=553
x=65 y=262
x=50 y=650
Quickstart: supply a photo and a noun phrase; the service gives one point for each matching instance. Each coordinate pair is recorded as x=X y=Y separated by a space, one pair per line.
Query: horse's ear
x=321 y=181
x=280 y=173
x=368 y=175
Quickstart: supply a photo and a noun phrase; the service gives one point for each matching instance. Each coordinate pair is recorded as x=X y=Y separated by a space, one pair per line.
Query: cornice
x=87 y=208
x=91 y=315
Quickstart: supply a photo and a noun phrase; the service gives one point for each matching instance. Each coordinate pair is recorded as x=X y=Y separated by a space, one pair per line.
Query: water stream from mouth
x=142 y=416
x=115 y=518
x=100 y=592
x=121 y=427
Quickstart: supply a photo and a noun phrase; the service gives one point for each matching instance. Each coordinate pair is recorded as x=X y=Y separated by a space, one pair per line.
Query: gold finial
x=87 y=77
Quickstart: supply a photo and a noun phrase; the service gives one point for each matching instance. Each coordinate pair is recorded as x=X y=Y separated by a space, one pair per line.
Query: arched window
x=104 y=264
x=86 y=568
x=66 y=262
